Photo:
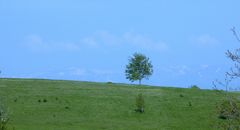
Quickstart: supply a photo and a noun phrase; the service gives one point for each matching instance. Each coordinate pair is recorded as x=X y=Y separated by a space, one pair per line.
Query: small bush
x=194 y=87
x=44 y=100
x=181 y=95
x=109 y=83
x=228 y=110
x=140 y=103
x=39 y=100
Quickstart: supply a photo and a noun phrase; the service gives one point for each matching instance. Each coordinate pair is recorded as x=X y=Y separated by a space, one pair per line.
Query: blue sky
x=91 y=40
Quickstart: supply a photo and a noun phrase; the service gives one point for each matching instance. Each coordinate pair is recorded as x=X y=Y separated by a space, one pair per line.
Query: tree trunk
x=140 y=81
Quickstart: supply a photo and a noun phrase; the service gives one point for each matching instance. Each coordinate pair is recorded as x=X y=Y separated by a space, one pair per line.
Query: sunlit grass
x=71 y=105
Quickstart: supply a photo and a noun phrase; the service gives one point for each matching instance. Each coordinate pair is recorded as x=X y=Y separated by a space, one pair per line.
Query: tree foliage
x=139 y=67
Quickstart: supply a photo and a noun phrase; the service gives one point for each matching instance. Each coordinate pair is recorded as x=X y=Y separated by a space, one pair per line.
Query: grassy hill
x=71 y=105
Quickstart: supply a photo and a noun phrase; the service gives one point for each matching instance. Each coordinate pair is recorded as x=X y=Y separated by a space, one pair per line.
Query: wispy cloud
x=219 y=69
x=144 y=42
x=126 y=39
x=89 y=41
x=37 y=43
x=91 y=74
x=108 y=38
x=99 y=39
x=87 y=72
x=76 y=71
x=178 y=70
x=204 y=66
x=184 y=70
x=205 y=40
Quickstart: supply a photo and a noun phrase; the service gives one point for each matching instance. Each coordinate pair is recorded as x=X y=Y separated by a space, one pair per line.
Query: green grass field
x=71 y=105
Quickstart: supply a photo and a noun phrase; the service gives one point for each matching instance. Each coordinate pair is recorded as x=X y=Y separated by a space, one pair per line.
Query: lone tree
x=139 y=67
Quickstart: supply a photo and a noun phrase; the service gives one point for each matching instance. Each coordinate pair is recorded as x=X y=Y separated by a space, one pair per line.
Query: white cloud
x=89 y=41
x=108 y=38
x=37 y=43
x=205 y=40
x=99 y=39
x=200 y=74
x=182 y=70
x=89 y=72
x=178 y=70
x=204 y=67
x=101 y=72
x=218 y=69
x=127 y=39
x=144 y=42
x=76 y=71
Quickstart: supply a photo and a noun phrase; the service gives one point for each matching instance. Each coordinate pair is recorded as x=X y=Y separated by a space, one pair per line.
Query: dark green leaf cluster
x=229 y=112
x=139 y=67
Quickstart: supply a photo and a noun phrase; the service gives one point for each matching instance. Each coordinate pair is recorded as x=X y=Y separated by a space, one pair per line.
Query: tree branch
x=235 y=33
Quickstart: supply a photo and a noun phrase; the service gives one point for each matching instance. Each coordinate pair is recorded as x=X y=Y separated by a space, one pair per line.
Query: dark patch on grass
x=222 y=117
x=189 y=104
x=139 y=110
x=44 y=100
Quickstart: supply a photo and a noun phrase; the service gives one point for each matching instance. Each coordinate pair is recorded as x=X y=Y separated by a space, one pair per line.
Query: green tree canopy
x=139 y=67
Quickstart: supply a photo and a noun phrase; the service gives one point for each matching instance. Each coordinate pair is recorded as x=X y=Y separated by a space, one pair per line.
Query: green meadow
x=34 y=104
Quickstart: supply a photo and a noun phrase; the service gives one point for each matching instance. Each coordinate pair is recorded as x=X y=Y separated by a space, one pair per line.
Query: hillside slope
x=71 y=105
